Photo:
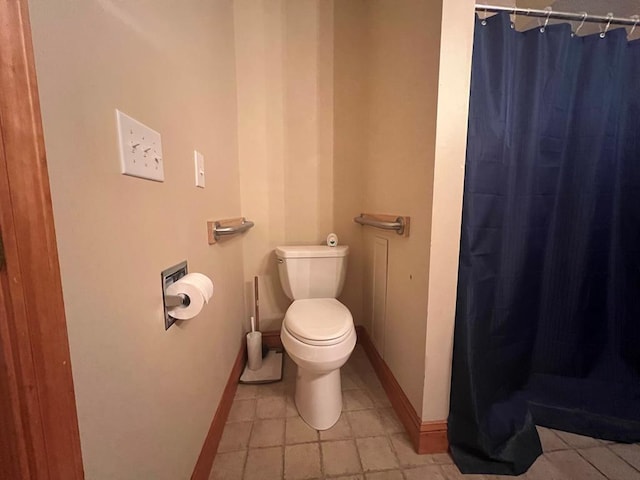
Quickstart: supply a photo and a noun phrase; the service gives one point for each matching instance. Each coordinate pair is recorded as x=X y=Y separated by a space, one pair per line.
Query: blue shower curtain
x=548 y=308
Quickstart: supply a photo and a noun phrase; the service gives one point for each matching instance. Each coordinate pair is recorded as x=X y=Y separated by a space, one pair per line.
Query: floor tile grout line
x=282 y=447
x=393 y=450
x=579 y=452
x=557 y=437
x=244 y=464
x=353 y=439
x=246 y=456
x=322 y=472
x=621 y=457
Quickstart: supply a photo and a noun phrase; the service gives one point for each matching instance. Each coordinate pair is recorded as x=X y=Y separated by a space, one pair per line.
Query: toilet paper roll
x=332 y=240
x=201 y=281
x=254 y=350
x=199 y=289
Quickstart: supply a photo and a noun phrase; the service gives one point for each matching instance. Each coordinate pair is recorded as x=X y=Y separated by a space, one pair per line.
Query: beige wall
x=260 y=75
x=451 y=138
x=145 y=397
x=350 y=111
x=401 y=102
x=403 y=42
x=285 y=57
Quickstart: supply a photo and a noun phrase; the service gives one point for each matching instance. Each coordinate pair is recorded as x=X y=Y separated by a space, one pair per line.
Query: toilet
x=317 y=331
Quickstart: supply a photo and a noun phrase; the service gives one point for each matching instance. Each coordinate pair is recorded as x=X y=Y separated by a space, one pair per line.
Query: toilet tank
x=312 y=271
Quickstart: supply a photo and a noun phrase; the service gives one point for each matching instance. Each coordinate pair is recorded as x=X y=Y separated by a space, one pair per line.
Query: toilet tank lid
x=311 y=251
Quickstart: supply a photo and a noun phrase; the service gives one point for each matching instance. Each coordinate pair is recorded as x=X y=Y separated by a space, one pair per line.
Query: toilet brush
x=264 y=365
x=256 y=307
x=254 y=347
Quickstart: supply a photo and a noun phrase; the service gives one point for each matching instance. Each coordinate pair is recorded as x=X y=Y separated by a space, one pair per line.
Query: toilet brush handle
x=256 y=301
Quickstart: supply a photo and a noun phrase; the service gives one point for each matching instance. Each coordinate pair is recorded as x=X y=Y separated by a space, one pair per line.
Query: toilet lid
x=318 y=321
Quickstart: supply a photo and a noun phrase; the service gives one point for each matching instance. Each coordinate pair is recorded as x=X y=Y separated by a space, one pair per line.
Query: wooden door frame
x=38 y=420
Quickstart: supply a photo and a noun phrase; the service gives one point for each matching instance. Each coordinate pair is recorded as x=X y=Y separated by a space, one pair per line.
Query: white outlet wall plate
x=140 y=149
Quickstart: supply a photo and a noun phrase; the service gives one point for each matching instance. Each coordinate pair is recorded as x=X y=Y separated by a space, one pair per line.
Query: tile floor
x=266 y=439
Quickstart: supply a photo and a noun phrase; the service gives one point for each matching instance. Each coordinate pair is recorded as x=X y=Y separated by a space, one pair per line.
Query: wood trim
x=37 y=385
x=211 y=442
x=272 y=339
x=427 y=437
x=433 y=437
x=14 y=458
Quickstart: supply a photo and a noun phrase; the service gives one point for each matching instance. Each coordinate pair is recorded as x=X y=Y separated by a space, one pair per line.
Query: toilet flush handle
x=280 y=260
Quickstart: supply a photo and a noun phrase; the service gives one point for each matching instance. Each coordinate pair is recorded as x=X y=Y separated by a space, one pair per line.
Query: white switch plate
x=198 y=160
x=140 y=149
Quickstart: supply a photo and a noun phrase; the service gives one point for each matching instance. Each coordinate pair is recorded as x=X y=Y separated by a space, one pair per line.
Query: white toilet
x=317 y=331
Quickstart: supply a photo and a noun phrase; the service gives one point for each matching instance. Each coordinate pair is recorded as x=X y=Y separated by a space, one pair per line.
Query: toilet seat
x=318 y=321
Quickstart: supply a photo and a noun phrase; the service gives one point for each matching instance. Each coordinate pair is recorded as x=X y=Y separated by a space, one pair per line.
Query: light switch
x=140 y=149
x=198 y=160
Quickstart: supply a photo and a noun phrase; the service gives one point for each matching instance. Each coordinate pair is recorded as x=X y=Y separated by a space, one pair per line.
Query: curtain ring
x=549 y=10
x=584 y=18
x=637 y=19
x=484 y=19
x=606 y=29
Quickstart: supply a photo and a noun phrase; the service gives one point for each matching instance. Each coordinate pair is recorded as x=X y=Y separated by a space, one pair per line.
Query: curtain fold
x=548 y=309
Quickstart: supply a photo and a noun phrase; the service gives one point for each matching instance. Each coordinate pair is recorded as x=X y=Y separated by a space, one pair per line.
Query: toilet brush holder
x=254 y=350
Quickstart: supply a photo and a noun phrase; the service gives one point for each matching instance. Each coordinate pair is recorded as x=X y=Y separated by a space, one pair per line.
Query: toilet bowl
x=317 y=331
x=319 y=336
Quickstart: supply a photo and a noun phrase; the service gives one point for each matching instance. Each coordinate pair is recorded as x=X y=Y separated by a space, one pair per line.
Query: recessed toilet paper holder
x=169 y=276
x=180 y=300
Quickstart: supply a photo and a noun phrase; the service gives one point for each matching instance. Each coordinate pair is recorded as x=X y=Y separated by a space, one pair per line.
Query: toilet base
x=319 y=397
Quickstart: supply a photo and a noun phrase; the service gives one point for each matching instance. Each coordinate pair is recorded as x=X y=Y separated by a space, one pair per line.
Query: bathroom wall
x=291 y=185
x=401 y=102
x=350 y=123
x=259 y=37
x=145 y=397
x=402 y=92
x=456 y=43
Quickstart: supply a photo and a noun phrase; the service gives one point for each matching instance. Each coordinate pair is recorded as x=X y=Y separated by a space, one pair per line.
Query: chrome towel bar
x=231 y=226
x=219 y=230
x=385 y=222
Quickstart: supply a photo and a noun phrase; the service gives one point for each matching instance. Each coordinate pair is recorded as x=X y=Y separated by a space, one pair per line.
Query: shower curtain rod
x=532 y=12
